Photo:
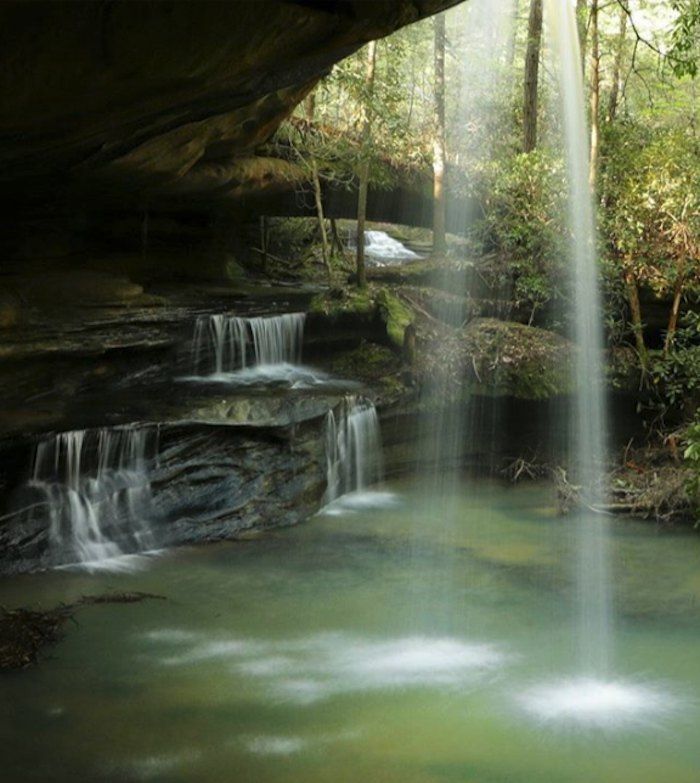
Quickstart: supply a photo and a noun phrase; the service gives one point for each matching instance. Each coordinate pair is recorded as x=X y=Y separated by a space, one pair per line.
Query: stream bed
x=396 y=641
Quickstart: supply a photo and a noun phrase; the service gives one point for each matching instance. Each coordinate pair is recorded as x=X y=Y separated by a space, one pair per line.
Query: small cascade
x=226 y=343
x=353 y=448
x=380 y=246
x=383 y=250
x=97 y=490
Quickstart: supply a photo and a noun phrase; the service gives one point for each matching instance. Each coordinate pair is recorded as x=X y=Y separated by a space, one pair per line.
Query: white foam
x=366 y=500
x=416 y=661
x=294 y=376
x=383 y=250
x=265 y=667
x=206 y=651
x=301 y=691
x=275 y=746
x=320 y=666
x=120 y=564
x=154 y=767
x=171 y=635
x=308 y=669
x=598 y=704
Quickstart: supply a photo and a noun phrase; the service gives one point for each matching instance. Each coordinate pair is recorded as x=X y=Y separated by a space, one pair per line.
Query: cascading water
x=593 y=698
x=353 y=448
x=224 y=343
x=446 y=433
x=97 y=492
x=383 y=250
x=588 y=425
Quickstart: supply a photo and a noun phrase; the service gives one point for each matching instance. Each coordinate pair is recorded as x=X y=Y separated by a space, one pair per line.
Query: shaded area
x=26 y=633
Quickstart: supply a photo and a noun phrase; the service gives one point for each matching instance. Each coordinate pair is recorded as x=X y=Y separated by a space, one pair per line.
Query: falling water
x=353 y=448
x=588 y=426
x=97 y=491
x=225 y=343
x=446 y=432
x=383 y=250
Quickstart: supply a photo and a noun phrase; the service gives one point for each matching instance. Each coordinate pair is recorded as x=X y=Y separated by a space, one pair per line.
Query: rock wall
x=163 y=101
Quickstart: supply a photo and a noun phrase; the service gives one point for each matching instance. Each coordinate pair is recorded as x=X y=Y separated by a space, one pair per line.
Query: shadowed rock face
x=208 y=483
x=165 y=99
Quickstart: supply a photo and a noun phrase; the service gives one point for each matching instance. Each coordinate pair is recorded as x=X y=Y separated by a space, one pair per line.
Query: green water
x=373 y=646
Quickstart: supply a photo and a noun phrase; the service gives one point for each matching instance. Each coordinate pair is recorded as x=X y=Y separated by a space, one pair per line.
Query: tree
x=582 y=23
x=364 y=163
x=310 y=105
x=653 y=218
x=685 y=40
x=439 y=156
x=595 y=95
x=532 y=64
x=617 y=67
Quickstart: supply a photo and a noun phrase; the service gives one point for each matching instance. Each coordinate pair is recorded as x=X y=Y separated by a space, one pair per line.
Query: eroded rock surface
x=166 y=99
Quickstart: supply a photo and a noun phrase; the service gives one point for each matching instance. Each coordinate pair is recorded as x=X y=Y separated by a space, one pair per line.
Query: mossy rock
x=373 y=364
x=395 y=314
x=339 y=302
x=508 y=358
x=368 y=304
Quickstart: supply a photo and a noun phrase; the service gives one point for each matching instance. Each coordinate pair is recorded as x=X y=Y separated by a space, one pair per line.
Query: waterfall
x=353 y=448
x=226 y=343
x=588 y=425
x=97 y=492
x=451 y=417
x=383 y=249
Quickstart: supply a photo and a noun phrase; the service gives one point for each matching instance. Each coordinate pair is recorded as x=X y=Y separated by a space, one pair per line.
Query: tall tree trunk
x=263 y=242
x=439 y=205
x=675 y=307
x=364 y=165
x=336 y=241
x=409 y=119
x=595 y=95
x=512 y=39
x=582 y=22
x=617 y=67
x=310 y=106
x=532 y=66
x=636 y=316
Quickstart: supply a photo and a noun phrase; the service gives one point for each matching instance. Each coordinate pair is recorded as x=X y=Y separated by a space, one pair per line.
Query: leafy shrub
x=523 y=202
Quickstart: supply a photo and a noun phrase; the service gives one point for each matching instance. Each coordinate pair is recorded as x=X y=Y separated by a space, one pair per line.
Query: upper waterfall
x=226 y=343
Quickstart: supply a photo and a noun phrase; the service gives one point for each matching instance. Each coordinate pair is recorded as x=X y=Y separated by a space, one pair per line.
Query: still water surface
x=371 y=644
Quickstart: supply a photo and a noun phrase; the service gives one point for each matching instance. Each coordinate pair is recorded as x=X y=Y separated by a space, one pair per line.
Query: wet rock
x=207 y=483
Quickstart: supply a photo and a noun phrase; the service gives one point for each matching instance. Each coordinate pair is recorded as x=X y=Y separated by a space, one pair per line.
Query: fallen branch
x=25 y=632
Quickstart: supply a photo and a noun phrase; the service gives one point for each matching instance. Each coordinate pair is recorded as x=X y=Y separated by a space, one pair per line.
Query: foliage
x=522 y=201
x=651 y=186
x=675 y=375
x=692 y=459
x=344 y=99
x=685 y=39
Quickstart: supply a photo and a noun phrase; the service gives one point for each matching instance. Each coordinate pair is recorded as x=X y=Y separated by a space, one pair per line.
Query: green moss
x=373 y=364
x=521 y=361
x=368 y=304
x=340 y=301
x=395 y=314
x=234 y=271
